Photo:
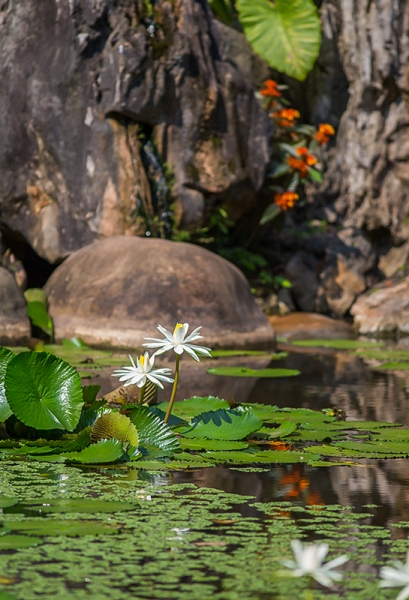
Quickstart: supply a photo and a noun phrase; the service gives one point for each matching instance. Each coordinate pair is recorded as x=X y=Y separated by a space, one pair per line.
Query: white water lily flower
x=178 y=341
x=397 y=577
x=142 y=371
x=309 y=560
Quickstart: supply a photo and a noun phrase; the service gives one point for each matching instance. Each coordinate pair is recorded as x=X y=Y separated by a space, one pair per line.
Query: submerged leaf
x=223 y=425
x=43 y=391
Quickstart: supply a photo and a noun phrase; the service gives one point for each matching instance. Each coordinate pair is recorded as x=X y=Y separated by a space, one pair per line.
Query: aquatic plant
x=143 y=372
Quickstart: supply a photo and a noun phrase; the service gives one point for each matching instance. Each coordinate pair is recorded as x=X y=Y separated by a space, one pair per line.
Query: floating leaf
x=393 y=366
x=223 y=353
x=264 y=456
x=286 y=428
x=114 y=425
x=152 y=431
x=7 y=502
x=246 y=372
x=6 y=595
x=191 y=407
x=43 y=391
x=14 y=542
x=224 y=425
x=337 y=344
x=51 y=527
x=105 y=451
x=286 y=33
x=173 y=465
x=72 y=505
x=204 y=444
x=6 y=356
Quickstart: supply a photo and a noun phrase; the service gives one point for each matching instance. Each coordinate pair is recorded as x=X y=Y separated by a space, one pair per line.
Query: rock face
x=383 y=311
x=72 y=103
x=361 y=85
x=14 y=323
x=115 y=292
x=307 y=326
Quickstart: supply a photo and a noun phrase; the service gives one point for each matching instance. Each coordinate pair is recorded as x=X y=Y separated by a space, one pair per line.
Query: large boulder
x=116 y=291
x=106 y=89
x=14 y=323
x=383 y=311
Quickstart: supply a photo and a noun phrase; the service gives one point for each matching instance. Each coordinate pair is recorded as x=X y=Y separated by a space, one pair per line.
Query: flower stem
x=175 y=387
x=142 y=396
x=309 y=593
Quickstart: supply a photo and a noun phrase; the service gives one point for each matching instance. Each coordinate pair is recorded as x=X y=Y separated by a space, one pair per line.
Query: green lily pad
x=246 y=372
x=43 y=391
x=223 y=353
x=51 y=528
x=393 y=366
x=72 y=505
x=192 y=407
x=337 y=344
x=105 y=451
x=205 y=444
x=152 y=431
x=173 y=465
x=6 y=356
x=286 y=428
x=7 y=502
x=263 y=456
x=7 y=596
x=223 y=425
x=15 y=542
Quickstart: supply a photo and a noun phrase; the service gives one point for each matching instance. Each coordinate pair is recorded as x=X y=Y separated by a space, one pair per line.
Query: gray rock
x=302 y=271
x=71 y=100
x=394 y=259
x=383 y=311
x=115 y=292
x=14 y=323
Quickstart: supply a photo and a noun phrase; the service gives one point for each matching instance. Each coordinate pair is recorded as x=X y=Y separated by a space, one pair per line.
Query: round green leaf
x=5 y=358
x=13 y=542
x=105 y=451
x=285 y=33
x=51 y=527
x=74 y=505
x=224 y=425
x=43 y=391
x=245 y=372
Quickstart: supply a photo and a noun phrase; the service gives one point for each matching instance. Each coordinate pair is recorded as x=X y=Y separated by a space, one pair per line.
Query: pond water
x=215 y=532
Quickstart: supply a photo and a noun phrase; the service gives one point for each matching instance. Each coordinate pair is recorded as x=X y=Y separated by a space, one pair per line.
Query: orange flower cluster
x=286 y=200
x=270 y=89
x=286 y=116
x=300 y=164
x=325 y=130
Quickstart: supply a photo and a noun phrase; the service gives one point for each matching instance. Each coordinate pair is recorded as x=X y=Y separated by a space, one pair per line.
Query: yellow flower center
x=178 y=326
x=142 y=360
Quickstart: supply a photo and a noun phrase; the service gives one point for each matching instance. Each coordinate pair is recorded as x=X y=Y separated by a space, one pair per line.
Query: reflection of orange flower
x=300 y=164
x=285 y=117
x=286 y=200
x=325 y=130
x=270 y=89
x=314 y=499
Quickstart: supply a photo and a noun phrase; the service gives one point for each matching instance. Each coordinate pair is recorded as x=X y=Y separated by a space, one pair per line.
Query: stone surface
x=302 y=271
x=14 y=323
x=308 y=326
x=383 y=311
x=115 y=292
x=395 y=259
x=74 y=98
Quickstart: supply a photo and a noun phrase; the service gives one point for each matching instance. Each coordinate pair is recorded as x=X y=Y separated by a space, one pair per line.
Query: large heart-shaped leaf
x=152 y=431
x=224 y=425
x=43 y=391
x=285 y=33
x=5 y=358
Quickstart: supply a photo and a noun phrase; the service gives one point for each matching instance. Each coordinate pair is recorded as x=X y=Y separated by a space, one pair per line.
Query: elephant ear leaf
x=285 y=33
x=6 y=356
x=44 y=391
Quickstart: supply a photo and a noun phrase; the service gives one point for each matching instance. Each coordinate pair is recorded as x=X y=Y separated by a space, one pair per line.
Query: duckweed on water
x=172 y=541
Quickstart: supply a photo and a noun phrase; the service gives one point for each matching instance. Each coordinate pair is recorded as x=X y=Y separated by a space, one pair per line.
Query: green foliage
x=113 y=425
x=223 y=9
x=340 y=344
x=6 y=356
x=37 y=310
x=105 y=451
x=223 y=425
x=43 y=391
x=258 y=373
x=285 y=33
x=152 y=431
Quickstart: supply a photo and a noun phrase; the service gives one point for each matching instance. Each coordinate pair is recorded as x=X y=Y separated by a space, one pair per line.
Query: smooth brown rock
x=394 y=260
x=383 y=311
x=306 y=326
x=14 y=323
x=115 y=292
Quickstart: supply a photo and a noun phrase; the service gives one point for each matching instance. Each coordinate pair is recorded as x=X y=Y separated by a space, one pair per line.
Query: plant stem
x=175 y=387
x=309 y=593
x=142 y=396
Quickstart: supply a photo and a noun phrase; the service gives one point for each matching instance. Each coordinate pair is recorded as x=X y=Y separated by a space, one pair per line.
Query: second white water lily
x=309 y=560
x=143 y=371
x=397 y=577
x=178 y=341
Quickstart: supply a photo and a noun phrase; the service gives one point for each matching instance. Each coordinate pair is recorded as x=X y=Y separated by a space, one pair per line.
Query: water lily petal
x=165 y=332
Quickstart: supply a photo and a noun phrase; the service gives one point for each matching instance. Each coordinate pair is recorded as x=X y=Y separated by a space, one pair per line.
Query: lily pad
x=223 y=353
x=205 y=444
x=173 y=465
x=73 y=505
x=337 y=344
x=192 y=407
x=263 y=456
x=6 y=356
x=15 y=542
x=105 y=451
x=7 y=502
x=393 y=366
x=44 y=391
x=246 y=372
x=224 y=425
x=52 y=528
